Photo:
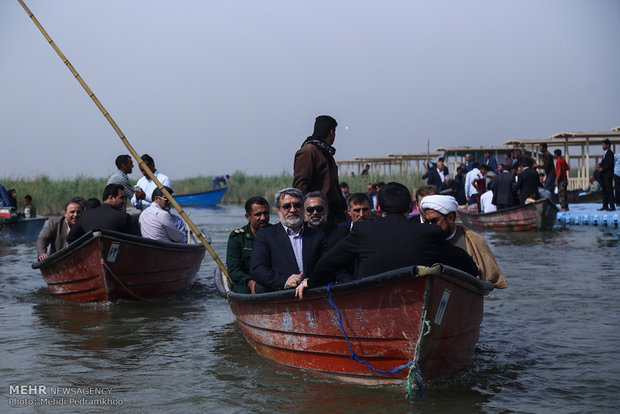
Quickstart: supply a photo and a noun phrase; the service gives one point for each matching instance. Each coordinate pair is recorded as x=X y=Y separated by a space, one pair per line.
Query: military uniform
x=238 y=253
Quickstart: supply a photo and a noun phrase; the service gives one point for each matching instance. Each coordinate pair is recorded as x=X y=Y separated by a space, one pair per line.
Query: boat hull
x=540 y=215
x=383 y=317
x=206 y=198
x=106 y=266
x=21 y=230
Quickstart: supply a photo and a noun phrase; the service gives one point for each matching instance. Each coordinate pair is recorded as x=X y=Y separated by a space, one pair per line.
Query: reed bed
x=51 y=195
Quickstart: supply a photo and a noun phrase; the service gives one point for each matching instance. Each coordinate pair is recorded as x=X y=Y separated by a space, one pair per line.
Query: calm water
x=549 y=343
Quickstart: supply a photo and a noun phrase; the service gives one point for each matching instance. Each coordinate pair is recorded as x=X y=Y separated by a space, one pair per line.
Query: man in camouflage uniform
x=241 y=243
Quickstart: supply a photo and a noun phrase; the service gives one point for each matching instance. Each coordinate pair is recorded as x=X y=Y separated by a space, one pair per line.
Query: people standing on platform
x=469 y=162
x=315 y=168
x=503 y=188
x=548 y=168
x=561 y=179
x=490 y=161
x=436 y=174
x=606 y=169
x=617 y=177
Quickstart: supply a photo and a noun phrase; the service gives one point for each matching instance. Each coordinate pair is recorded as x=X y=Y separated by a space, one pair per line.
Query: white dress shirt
x=147 y=185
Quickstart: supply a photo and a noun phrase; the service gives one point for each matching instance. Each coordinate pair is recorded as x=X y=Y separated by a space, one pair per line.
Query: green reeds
x=50 y=195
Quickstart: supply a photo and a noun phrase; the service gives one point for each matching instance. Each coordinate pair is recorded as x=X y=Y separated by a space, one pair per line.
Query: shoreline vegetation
x=50 y=195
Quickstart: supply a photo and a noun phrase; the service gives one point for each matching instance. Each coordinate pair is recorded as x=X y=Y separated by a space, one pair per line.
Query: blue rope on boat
x=353 y=354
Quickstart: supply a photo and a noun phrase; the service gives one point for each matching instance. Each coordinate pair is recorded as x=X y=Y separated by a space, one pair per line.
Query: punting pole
x=133 y=152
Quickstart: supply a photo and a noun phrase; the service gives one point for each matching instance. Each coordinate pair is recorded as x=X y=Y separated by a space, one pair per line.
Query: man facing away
x=284 y=252
x=315 y=168
x=548 y=168
x=241 y=243
x=55 y=232
x=389 y=242
x=109 y=216
x=606 y=169
x=503 y=188
x=441 y=210
x=145 y=186
x=561 y=179
x=157 y=223
x=124 y=163
x=527 y=182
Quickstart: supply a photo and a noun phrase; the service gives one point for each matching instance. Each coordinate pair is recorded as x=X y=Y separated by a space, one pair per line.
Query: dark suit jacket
x=433 y=177
x=273 y=260
x=503 y=189
x=528 y=184
x=104 y=217
x=607 y=164
x=53 y=235
x=389 y=243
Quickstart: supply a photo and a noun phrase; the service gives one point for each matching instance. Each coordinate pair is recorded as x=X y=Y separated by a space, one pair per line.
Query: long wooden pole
x=133 y=152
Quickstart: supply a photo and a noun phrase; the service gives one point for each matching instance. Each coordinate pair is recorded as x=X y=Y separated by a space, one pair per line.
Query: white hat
x=443 y=204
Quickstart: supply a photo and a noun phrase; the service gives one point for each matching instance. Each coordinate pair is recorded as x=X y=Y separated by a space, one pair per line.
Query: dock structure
x=411 y=163
x=582 y=151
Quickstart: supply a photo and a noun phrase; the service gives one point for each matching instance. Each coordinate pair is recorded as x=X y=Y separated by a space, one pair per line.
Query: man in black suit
x=503 y=188
x=606 y=169
x=110 y=216
x=389 y=242
x=284 y=252
x=436 y=175
x=527 y=182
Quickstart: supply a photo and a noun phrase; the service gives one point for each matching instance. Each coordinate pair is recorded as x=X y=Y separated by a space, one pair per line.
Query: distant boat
x=15 y=229
x=429 y=317
x=540 y=215
x=105 y=266
x=206 y=198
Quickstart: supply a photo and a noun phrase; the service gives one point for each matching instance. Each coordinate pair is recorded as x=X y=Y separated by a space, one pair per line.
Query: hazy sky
x=211 y=87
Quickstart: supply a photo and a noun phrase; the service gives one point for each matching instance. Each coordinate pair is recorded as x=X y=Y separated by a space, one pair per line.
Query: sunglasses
x=434 y=220
x=358 y=210
x=288 y=206
x=312 y=209
x=163 y=198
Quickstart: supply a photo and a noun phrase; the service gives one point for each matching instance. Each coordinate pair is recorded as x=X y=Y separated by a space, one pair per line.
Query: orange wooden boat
x=415 y=317
x=105 y=266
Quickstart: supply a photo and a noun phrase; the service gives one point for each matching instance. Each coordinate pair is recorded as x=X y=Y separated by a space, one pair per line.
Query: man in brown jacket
x=315 y=168
x=55 y=233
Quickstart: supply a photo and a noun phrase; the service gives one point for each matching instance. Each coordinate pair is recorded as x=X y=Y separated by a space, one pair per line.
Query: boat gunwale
x=483 y=287
x=100 y=234
x=533 y=205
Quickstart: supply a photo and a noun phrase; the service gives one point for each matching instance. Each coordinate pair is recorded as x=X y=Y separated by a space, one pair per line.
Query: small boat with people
x=106 y=266
x=202 y=199
x=19 y=229
x=539 y=215
x=411 y=323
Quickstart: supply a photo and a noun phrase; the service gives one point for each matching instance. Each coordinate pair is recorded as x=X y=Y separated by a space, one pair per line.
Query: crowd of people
x=326 y=234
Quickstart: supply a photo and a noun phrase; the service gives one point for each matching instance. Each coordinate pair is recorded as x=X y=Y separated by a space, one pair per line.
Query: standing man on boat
x=617 y=177
x=124 y=163
x=144 y=189
x=436 y=174
x=606 y=169
x=561 y=179
x=283 y=253
x=110 y=216
x=315 y=168
x=548 y=168
x=527 y=182
x=55 y=232
x=503 y=188
x=441 y=210
x=157 y=223
x=216 y=180
x=241 y=243
x=389 y=242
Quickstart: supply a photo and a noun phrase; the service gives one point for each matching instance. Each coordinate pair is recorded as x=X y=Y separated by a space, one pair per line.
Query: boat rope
x=415 y=381
x=125 y=288
x=353 y=355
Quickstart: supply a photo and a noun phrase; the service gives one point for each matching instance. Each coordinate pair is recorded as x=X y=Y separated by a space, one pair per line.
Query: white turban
x=443 y=204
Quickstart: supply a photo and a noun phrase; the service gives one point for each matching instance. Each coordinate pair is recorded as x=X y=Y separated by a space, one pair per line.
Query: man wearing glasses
x=157 y=223
x=284 y=252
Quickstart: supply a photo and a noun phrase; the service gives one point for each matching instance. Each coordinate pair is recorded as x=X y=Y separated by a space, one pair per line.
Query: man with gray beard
x=284 y=252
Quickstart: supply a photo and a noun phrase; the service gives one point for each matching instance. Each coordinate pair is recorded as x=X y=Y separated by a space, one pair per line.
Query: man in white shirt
x=142 y=195
x=470 y=191
x=157 y=223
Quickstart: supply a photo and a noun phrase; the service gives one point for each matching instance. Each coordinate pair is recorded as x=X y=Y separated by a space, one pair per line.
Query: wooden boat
x=105 y=266
x=15 y=229
x=428 y=317
x=540 y=215
x=206 y=198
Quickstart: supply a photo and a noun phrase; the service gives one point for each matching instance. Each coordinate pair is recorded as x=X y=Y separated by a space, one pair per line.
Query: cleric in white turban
x=443 y=204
